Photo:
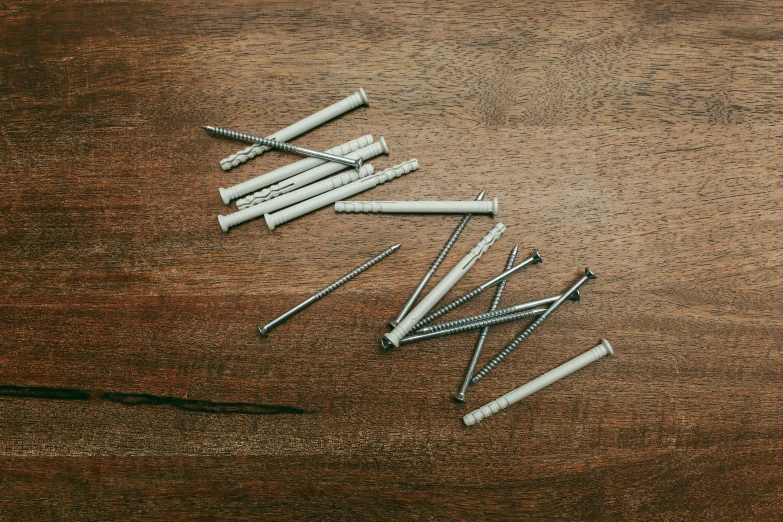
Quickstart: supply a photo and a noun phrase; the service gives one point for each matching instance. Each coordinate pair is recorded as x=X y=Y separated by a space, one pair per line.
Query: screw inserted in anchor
x=435 y=264
x=228 y=133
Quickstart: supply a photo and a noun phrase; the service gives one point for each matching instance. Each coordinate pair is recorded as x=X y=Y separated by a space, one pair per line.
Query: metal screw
x=460 y=396
x=438 y=260
x=228 y=133
x=531 y=328
x=478 y=325
x=535 y=258
x=300 y=127
x=496 y=313
x=307 y=302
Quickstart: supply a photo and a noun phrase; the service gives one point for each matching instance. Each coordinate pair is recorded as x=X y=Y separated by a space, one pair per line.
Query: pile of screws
x=299 y=188
x=411 y=324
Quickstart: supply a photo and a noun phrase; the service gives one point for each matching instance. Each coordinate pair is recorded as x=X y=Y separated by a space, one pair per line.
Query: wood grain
x=641 y=140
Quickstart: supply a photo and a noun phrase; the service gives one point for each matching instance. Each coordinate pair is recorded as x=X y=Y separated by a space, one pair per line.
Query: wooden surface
x=642 y=141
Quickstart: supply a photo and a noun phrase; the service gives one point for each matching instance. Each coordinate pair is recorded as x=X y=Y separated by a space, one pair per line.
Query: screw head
x=589 y=274
x=536 y=256
x=460 y=397
x=263 y=331
x=386 y=345
x=575 y=295
x=393 y=324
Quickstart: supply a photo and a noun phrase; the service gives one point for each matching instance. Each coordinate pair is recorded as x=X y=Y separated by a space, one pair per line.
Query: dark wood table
x=643 y=141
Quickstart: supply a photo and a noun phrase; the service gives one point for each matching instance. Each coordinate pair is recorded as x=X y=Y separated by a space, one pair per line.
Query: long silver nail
x=535 y=258
x=531 y=328
x=228 y=133
x=460 y=396
x=315 y=297
x=478 y=325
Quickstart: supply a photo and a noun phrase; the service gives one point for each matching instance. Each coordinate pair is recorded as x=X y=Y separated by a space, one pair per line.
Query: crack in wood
x=139 y=399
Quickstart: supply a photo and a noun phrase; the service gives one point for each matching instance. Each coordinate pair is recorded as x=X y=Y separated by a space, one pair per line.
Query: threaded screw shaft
x=497 y=319
x=435 y=264
x=241 y=136
x=478 y=325
x=535 y=258
x=355 y=272
x=319 y=295
x=507 y=350
x=453 y=238
x=495 y=313
x=530 y=329
x=484 y=333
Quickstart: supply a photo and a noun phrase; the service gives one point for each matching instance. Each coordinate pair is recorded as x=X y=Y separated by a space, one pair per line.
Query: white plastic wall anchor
x=289 y=170
x=542 y=381
x=320 y=172
x=327 y=198
x=436 y=294
x=296 y=196
x=292 y=131
x=314 y=174
x=418 y=207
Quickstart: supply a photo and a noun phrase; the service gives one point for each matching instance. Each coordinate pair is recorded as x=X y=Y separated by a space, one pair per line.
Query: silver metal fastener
x=438 y=260
x=300 y=127
x=535 y=258
x=315 y=297
x=228 y=133
x=393 y=338
x=531 y=328
x=488 y=315
x=482 y=338
x=478 y=325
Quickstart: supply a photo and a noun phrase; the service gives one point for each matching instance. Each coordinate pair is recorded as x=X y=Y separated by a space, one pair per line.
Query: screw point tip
x=481 y=195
